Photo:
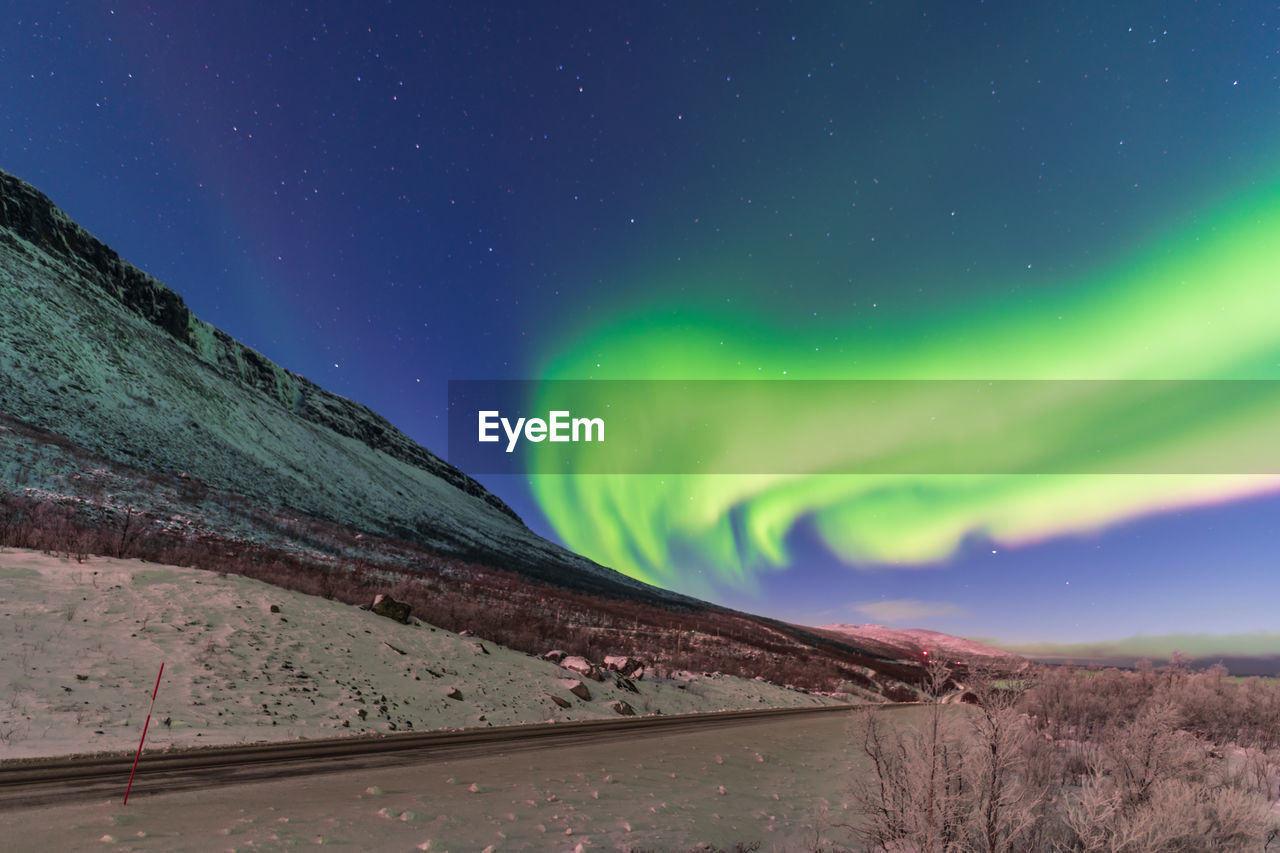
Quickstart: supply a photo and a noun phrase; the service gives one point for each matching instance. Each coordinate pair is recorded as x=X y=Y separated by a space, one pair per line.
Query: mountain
x=99 y=352
x=913 y=643
x=129 y=427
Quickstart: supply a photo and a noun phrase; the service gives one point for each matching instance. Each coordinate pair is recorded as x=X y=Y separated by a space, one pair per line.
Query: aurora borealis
x=1187 y=330
x=386 y=197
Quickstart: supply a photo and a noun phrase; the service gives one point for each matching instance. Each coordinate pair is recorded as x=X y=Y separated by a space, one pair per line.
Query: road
x=40 y=782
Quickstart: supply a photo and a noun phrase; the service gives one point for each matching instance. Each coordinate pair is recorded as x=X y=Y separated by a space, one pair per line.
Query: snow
x=80 y=364
x=781 y=783
x=83 y=643
x=911 y=641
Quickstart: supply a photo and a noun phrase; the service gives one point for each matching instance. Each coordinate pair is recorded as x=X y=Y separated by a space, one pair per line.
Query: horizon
x=385 y=200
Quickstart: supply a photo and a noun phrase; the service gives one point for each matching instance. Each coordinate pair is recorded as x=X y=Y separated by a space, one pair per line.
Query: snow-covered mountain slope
x=912 y=643
x=94 y=349
x=245 y=662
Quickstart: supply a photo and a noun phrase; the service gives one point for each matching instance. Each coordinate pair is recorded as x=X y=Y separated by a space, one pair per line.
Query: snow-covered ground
x=186 y=399
x=83 y=643
x=911 y=642
x=781 y=783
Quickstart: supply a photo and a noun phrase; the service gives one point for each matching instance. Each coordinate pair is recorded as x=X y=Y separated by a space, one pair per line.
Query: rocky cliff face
x=28 y=214
x=94 y=349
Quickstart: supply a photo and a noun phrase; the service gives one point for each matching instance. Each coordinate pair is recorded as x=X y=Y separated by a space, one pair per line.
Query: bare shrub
x=913 y=796
x=961 y=780
x=1176 y=816
x=1123 y=762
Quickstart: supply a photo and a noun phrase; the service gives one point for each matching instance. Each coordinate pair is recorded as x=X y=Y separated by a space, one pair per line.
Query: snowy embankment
x=782 y=784
x=247 y=662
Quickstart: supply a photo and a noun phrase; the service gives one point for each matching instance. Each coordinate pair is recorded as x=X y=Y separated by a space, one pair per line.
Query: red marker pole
x=145 y=726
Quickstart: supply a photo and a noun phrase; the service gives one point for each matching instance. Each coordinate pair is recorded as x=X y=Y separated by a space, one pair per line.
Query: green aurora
x=1200 y=302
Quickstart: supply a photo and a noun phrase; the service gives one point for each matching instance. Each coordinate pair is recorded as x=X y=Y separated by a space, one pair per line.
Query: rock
x=385 y=605
x=479 y=648
x=555 y=655
x=577 y=663
x=275 y=608
x=623 y=664
x=582 y=666
x=454 y=693
x=622 y=708
x=560 y=700
x=576 y=687
x=625 y=684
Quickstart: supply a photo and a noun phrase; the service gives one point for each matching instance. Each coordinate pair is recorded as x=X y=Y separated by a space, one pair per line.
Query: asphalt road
x=45 y=781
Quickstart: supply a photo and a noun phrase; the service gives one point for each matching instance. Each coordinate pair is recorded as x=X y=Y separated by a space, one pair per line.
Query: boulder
x=582 y=666
x=560 y=700
x=555 y=655
x=622 y=708
x=625 y=683
x=623 y=664
x=576 y=687
x=385 y=605
x=577 y=664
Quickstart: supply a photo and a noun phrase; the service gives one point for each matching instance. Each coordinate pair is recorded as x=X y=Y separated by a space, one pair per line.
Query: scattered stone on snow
x=582 y=666
x=576 y=687
x=623 y=664
x=385 y=605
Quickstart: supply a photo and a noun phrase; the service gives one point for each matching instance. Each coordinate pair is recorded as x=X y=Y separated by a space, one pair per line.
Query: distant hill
x=1251 y=653
x=913 y=643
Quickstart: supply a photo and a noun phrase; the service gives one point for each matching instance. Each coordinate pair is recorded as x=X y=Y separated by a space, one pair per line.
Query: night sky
x=386 y=196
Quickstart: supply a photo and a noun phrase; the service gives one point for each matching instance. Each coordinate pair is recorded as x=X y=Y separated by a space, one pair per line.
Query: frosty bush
x=1122 y=762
